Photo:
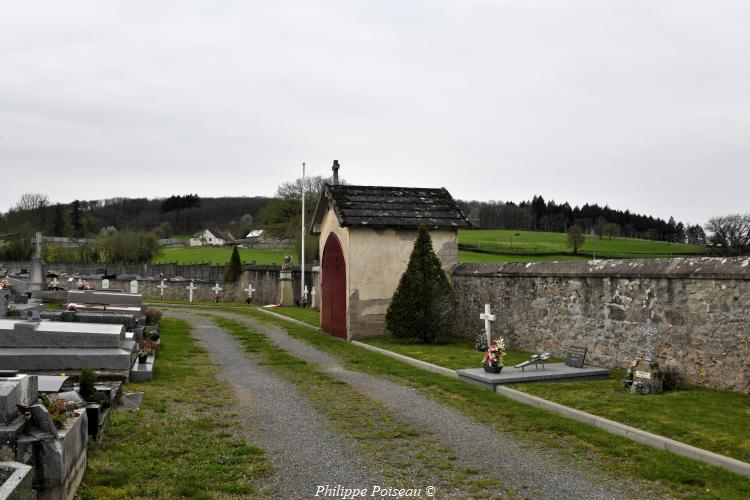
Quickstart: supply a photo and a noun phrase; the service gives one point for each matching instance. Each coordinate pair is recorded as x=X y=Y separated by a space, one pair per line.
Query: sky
x=641 y=105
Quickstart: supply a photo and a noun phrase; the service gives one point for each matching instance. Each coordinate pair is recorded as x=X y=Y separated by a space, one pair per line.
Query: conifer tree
x=234 y=268
x=424 y=305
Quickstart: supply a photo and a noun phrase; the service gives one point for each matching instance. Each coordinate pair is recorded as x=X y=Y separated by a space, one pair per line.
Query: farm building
x=366 y=237
x=211 y=237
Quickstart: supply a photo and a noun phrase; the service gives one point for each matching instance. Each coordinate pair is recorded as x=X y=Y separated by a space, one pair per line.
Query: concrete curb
x=637 y=435
x=291 y=320
x=406 y=359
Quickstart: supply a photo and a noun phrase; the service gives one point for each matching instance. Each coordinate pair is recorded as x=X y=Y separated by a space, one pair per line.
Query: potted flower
x=83 y=285
x=5 y=285
x=493 y=358
x=145 y=347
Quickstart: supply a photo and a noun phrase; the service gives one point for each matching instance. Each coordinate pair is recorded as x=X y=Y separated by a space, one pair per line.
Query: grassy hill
x=219 y=255
x=499 y=245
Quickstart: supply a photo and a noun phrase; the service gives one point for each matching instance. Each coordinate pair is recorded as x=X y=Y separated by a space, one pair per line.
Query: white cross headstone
x=312 y=296
x=216 y=288
x=250 y=291
x=190 y=289
x=105 y=284
x=54 y=283
x=488 y=319
x=134 y=286
x=305 y=294
x=161 y=286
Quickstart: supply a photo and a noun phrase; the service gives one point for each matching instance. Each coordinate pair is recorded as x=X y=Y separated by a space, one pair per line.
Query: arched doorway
x=333 y=289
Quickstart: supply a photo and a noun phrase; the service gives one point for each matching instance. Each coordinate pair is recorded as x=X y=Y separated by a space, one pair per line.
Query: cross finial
x=335 y=169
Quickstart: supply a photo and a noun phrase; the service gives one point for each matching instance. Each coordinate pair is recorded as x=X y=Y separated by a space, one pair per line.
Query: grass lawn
x=180 y=443
x=585 y=445
x=219 y=255
x=310 y=316
x=454 y=355
x=718 y=421
x=532 y=246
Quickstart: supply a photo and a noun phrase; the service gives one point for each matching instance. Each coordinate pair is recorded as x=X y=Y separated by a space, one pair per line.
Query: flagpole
x=302 y=268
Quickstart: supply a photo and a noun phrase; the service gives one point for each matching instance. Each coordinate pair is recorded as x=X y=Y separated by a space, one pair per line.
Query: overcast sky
x=637 y=104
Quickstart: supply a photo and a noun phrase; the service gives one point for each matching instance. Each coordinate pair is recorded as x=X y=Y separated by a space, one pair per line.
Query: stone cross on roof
x=488 y=319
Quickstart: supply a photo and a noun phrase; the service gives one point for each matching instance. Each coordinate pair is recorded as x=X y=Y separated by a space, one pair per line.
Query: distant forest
x=131 y=218
x=176 y=215
x=541 y=215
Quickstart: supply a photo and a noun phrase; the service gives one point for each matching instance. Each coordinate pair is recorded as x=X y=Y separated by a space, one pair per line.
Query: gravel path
x=531 y=470
x=273 y=414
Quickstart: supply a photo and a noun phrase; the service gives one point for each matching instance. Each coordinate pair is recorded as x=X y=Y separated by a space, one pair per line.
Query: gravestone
x=313 y=295
x=286 y=293
x=488 y=318
x=105 y=284
x=249 y=291
x=647 y=376
x=38 y=278
x=134 y=286
x=161 y=286
x=217 y=289
x=576 y=356
x=190 y=289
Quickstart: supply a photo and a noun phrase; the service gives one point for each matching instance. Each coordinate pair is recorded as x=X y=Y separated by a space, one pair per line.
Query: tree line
x=593 y=219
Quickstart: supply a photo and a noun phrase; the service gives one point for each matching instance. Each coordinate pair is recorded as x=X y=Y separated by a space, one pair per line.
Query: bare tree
x=576 y=238
x=611 y=229
x=729 y=234
x=31 y=201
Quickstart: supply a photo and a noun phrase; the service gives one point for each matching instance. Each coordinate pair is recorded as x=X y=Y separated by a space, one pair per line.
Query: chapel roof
x=394 y=207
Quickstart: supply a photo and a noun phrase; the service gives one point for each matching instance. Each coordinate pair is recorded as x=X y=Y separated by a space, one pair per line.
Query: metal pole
x=302 y=267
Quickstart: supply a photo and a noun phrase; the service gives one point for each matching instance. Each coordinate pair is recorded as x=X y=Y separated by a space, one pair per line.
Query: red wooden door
x=333 y=289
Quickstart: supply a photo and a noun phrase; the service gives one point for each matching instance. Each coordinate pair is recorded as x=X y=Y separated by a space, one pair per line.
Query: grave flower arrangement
x=84 y=285
x=145 y=347
x=495 y=352
x=5 y=285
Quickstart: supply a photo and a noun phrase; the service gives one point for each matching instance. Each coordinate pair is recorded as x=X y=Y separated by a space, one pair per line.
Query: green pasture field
x=219 y=255
x=501 y=245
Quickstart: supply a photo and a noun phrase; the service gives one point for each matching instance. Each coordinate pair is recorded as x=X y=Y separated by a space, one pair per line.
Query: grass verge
x=180 y=442
x=679 y=476
x=309 y=316
x=408 y=456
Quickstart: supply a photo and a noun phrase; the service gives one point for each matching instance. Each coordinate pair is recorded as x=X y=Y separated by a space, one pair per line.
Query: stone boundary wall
x=701 y=307
x=265 y=283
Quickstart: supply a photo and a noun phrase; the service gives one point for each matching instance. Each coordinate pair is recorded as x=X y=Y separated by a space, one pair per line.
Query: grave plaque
x=134 y=286
x=105 y=284
x=576 y=356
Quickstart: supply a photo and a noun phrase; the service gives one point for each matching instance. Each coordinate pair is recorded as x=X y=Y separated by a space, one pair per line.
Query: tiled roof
x=398 y=207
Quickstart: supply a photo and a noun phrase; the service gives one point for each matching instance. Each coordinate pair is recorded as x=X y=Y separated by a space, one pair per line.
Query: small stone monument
x=647 y=377
x=313 y=295
x=161 y=286
x=134 y=286
x=217 y=291
x=249 y=291
x=190 y=289
x=105 y=284
x=286 y=291
x=38 y=278
x=488 y=318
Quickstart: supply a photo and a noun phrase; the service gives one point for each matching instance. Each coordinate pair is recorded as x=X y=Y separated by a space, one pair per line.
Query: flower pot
x=142 y=359
x=492 y=369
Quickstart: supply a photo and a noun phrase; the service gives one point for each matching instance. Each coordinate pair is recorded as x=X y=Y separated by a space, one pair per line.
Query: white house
x=211 y=237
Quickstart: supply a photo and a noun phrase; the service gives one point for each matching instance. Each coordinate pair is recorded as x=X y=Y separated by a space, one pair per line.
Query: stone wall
x=701 y=307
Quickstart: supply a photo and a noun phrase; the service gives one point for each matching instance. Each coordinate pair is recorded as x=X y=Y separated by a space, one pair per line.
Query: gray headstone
x=105 y=284
x=134 y=286
x=576 y=356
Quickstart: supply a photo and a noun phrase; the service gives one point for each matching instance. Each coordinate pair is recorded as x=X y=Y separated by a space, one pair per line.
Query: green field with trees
x=506 y=245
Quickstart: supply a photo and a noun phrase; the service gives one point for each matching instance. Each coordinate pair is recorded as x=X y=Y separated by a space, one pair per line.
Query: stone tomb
x=53 y=347
x=111 y=301
x=552 y=372
x=58 y=457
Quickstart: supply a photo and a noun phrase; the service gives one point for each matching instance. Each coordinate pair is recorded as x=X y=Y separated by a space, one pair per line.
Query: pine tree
x=424 y=305
x=234 y=268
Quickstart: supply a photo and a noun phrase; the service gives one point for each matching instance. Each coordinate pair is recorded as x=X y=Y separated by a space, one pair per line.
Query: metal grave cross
x=488 y=319
x=190 y=289
x=161 y=286
x=305 y=294
x=54 y=283
x=250 y=290
x=649 y=332
x=312 y=297
x=216 y=288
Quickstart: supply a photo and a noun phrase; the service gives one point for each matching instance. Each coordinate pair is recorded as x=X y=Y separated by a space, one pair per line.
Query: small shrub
x=86 y=383
x=153 y=315
x=424 y=305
